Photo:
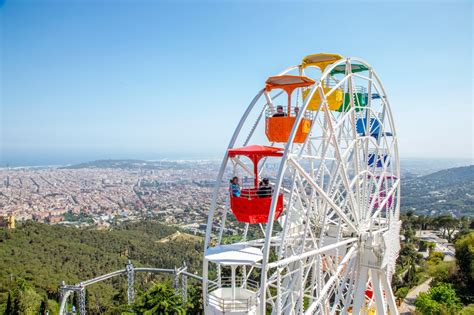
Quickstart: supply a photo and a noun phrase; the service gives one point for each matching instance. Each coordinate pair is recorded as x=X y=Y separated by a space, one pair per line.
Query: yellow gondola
x=321 y=61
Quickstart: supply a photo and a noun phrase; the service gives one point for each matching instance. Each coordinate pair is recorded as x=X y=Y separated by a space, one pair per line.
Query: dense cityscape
x=97 y=194
x=174 y=192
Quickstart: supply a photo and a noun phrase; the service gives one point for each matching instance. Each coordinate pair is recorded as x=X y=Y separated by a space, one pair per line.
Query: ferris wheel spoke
x=359 y=294
x=355 y=142
x=331 y=186
x=339 y=199
x=384 y=202
x=343 y=173
x=378 y=295
x=350 y=294
x=331 y=281
x=344 y=287
x=323 y=194
x=374 y=193
x=392 y=307
x=302 y=191
x=289 y=213
x=311 y=253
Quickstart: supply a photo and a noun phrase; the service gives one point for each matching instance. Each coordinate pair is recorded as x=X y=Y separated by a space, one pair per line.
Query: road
x=408 y=306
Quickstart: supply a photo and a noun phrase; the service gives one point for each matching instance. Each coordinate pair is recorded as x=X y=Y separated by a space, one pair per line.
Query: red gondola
x=249 y=207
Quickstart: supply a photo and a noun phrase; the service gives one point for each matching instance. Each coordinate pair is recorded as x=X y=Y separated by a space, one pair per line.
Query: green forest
x=36 y=258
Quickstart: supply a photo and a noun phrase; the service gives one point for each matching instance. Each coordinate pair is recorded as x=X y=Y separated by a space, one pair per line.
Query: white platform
x=233 y=255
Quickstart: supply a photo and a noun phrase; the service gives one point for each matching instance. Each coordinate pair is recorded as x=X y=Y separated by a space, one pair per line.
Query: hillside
x=45 y=255
x=446 y=191
x=137 y=164
x=123 y=164
x=450 y=176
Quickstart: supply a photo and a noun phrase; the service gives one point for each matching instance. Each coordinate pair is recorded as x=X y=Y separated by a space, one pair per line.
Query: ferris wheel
x=310 y=222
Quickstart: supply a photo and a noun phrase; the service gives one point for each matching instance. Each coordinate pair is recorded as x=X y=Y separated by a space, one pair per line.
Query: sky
x=84 y=80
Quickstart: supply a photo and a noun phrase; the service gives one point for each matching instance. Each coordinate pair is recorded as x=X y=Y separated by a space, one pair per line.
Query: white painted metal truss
x=333 y=249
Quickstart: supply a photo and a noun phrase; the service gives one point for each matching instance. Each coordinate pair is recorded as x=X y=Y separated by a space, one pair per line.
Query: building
x=7 y=221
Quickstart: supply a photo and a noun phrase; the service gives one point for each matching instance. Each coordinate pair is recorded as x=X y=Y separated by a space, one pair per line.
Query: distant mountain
x=447 y=191
x=412 y=167
x=108 y=164
x=456 y=175
x=136 y=164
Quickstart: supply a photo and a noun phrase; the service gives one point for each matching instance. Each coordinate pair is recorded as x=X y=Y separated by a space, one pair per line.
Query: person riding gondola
x=264 y=189
x=279 y=112
x=234 y=186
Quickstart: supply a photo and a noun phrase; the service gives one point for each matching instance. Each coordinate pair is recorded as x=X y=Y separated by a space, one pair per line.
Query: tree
x=468 y=310
x=440 y=299
x=402 y=293
x=409 y=235
x=442 y=272
x=431 y=246
x=436 y=257
x=410 y=276
x=425 y=305
x=44 y=307
x=195 y=303
x=465 y=261
x=464 y=224
x=425 y=222
x=160 y=299
x=465 y=256
x=29 y=301
x=449 y=224
x=9 y=308
x=409 y=255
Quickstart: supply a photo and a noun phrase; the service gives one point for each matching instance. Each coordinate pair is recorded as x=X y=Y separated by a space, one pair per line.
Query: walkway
x=408 y=305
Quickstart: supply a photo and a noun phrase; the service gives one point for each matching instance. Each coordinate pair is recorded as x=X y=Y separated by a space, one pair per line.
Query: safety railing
x=294 y=111
x=357 y=88
x=238 y=303
x=240 y=282
x=235 y=305
x=253 y=193
x=249 y=191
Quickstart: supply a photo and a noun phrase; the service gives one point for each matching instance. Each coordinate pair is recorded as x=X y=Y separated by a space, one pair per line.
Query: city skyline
x=87 y=81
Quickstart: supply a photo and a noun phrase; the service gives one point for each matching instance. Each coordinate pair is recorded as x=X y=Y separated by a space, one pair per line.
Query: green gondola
x=360 y=101
x=341 y=69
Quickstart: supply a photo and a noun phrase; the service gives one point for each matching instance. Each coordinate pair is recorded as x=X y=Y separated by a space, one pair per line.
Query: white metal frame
x=331 y=243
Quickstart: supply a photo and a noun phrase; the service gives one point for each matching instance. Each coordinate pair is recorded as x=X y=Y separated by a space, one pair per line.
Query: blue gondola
x=375 y=96
x=361 y=127
x=382 y=158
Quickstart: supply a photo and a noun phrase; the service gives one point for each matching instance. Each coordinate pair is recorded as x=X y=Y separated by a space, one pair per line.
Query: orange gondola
x=278 y=129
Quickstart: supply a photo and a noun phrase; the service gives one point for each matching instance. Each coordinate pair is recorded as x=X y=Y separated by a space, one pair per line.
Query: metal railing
x=249 y=191
x=293 y=112
x=240 y=282
x=228 y=304
x=356 y=89
x=235 y=305
x=66 y=290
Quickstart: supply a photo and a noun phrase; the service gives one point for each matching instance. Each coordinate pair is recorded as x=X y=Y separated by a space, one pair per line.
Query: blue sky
x=151 y=79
